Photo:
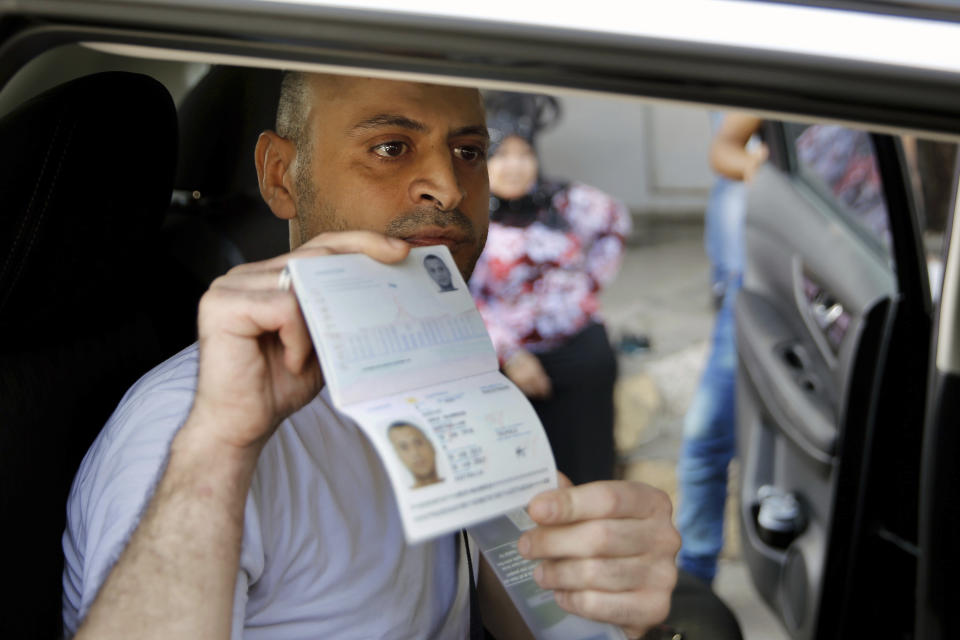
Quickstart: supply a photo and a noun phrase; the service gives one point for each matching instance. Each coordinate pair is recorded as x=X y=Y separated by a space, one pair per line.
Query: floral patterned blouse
x=537 y=281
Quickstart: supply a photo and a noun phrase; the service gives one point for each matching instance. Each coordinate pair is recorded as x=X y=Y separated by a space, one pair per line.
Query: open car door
x=833 y=334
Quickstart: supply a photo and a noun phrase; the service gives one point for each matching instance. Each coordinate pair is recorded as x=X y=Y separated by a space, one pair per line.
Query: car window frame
x=778 y=86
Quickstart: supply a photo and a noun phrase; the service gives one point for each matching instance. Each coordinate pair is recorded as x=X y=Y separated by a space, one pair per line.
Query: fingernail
x=523 y=545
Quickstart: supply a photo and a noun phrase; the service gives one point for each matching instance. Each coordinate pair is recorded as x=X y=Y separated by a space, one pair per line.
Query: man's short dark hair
x=292 y=124
x=292 y=109
x=400 y=423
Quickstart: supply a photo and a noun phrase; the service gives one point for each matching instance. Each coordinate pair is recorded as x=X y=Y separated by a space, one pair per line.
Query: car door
x=833 y=331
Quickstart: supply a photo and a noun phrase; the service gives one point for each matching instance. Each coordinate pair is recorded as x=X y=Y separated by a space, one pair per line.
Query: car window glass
x=840 y=166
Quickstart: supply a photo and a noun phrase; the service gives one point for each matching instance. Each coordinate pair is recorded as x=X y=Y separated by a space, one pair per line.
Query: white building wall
x=652 y=156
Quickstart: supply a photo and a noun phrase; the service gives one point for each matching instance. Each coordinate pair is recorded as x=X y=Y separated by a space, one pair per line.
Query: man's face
x=415 y=451
x=438 y=271
x=401 y=158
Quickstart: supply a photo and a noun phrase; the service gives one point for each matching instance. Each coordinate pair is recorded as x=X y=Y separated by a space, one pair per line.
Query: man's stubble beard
x=408 y=224
x=313 y=215
x=316 y=216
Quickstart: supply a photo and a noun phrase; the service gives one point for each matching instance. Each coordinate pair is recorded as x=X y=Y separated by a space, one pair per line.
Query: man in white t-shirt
x=227 y=497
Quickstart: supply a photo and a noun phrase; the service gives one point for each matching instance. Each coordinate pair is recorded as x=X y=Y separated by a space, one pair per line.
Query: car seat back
x=85 y=303
x=217 y=201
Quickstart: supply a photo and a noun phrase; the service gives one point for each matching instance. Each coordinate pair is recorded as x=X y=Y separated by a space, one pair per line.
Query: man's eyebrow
x=386 y=120
x=396 y=120
x=472 y=130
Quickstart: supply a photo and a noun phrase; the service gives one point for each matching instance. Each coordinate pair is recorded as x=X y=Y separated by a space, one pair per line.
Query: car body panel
x=813 y=82
x=842 y=436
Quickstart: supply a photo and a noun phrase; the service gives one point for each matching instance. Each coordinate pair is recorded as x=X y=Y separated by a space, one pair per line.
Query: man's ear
x=275 y=158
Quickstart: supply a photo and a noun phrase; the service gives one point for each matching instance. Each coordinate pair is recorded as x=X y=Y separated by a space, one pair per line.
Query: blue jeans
x=723 y=232
x=708 y=446
x=709 y=439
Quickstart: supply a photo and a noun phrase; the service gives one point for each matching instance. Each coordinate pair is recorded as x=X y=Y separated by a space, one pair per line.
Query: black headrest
x=85 y=176
x=220 y=120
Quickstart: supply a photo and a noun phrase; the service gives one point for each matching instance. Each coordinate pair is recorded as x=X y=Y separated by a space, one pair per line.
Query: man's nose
x=437 y=182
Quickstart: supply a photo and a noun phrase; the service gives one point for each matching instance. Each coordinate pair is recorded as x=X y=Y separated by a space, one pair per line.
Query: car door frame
x=809 y=85
x=868 y=543
x=872 y=560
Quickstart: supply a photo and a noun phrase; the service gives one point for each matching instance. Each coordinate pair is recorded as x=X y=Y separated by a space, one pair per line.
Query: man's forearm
x=177 y=575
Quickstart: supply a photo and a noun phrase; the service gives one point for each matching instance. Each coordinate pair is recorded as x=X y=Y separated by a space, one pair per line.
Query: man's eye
x=390 y=149
x=469 y=153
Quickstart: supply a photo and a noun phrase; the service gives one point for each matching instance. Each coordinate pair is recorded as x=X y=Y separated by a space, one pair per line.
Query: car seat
x=88 y=303
x=217 y=201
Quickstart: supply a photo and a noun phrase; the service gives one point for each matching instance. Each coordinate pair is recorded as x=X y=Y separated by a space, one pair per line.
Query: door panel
x=793 y=393
x=810 y=324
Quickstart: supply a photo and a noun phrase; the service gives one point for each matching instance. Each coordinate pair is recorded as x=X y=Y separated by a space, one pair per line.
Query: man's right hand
x=257 y=363
x=257 y=366
x=527 y=372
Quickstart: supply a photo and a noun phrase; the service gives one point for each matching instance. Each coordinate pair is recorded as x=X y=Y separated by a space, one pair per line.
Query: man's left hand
x=607 y=551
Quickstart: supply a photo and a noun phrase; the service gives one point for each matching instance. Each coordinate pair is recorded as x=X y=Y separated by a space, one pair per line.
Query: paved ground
x=662 y=292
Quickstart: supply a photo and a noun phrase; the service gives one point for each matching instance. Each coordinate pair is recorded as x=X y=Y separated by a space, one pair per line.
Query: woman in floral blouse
x=551 y=247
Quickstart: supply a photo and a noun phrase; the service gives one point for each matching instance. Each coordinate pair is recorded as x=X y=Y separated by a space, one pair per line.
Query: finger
x=546 y=386
x=598 y=539
x=376 y=245
x=540 y=379
x=524 y=385
x=277 y=263
x=248 y=304
x=248 y=313
x=249 y=279
x=607 y=574
x=527 y=383
x=298 y=347
x=636 y=611
x=605 y=499
x=537 y=382
x=537 y=388
x=563 y=480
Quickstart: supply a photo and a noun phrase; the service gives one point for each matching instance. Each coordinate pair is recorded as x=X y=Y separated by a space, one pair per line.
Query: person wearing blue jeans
x=723 y=235
x=709 y=425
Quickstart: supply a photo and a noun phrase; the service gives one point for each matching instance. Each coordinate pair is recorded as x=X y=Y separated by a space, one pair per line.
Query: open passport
x=406 y=355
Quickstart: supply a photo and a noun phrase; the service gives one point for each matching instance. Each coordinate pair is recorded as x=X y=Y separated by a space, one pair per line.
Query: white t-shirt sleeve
x=251 y=565
x=240 y=595
x=117 y=479
x=112 y=487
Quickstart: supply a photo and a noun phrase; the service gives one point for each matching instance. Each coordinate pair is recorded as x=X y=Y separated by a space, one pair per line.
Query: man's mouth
x=434 y=236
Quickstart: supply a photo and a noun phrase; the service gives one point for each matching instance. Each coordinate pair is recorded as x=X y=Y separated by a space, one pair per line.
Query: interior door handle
x=796 y=358
x=825 y=314
x=777 y=363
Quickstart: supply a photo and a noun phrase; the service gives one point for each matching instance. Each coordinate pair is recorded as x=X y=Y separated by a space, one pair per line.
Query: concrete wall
x=652 y=156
